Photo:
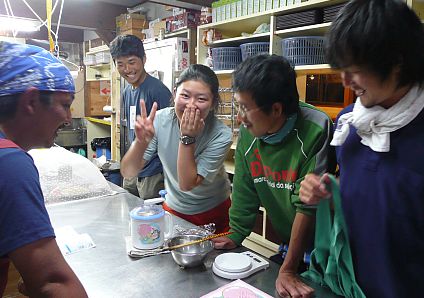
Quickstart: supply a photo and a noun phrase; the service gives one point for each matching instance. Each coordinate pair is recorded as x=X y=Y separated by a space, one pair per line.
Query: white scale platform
x=238 y=265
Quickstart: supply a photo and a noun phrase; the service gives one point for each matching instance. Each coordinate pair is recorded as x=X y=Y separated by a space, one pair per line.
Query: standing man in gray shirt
x=129 y=56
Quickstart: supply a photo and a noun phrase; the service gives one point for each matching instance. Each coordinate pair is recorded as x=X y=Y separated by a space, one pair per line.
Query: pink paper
x=237 y=289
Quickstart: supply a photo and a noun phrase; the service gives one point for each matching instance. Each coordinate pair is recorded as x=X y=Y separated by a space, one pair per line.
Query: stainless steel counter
x=107 y=271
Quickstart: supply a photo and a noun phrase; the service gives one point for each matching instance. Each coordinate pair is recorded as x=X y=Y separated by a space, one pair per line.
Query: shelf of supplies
x=95 y=120
x=316 y=69
x=98 y=49
x=249 y=22
x=313 y=30
x=241 y=39
x=181 y=33
x=224 y=72
x=99 y=66
x=300 y=69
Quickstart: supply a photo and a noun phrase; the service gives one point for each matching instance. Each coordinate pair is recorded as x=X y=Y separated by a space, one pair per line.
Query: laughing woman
x=192 y=145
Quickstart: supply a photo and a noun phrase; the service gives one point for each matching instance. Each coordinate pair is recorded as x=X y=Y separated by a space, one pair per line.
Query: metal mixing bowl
x=191 y=255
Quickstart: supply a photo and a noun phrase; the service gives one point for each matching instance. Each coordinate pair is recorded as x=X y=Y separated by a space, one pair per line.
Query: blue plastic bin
x=304 y=50
x=253 y=48
x=226 y=58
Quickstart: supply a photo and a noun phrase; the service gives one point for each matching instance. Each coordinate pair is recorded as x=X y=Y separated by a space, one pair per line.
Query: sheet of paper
x=237 y=289
x=69 y=241
x=132 y=116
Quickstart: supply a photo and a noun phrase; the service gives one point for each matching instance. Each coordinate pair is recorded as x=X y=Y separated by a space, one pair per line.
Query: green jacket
x=270 y=175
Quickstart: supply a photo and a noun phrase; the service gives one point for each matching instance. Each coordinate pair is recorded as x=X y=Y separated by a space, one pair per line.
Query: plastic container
x=304 y=50
x=90 y=60
x=102 y=147
x=226 y=58
x=253 y=48
x=102 y=58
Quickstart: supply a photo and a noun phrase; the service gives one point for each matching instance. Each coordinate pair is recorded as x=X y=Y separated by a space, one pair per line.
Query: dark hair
x=9 y=104
x=269 y=79
x=199 y=72
x=126 y=45
x=378 y=35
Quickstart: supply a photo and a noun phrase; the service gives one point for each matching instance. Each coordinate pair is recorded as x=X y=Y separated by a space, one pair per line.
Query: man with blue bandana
x=36 y=93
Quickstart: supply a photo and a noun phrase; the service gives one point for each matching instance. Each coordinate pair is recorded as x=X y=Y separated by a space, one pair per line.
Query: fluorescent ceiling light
x=9 y=23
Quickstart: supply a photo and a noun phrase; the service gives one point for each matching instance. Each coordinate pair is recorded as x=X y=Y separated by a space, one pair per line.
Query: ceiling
x=79 y=15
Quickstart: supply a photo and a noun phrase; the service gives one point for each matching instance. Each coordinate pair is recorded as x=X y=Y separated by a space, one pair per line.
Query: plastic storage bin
x=253 y=48
x=102 y=58
x=90 y=60
x=226 y=58
x=304 y=50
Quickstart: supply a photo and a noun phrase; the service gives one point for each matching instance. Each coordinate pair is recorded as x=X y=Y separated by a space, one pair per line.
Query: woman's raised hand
x=191 y=122
x=144 y=129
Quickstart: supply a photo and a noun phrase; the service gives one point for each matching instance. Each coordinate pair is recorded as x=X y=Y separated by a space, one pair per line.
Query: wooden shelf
x=99 y=49
x=240 y=39
x=312 y=30
x=246 y=23
x=181 y=33
x=100 y=66
x=100 y=121
x=224 y=72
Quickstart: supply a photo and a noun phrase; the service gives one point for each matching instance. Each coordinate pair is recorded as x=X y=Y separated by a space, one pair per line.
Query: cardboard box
x=186 y=20
x=96 y=100
x=182 y=58
x=136 y=32
x=157 y=26
x=129 y=21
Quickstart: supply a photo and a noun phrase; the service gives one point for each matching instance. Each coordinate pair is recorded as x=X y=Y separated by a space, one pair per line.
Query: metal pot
x=191 y=255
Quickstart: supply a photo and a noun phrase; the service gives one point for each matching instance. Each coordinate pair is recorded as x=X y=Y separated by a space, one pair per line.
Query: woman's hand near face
x=144 y=129
x=191 y=122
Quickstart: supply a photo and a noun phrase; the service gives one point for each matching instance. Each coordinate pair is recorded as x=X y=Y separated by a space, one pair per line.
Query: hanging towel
x=331 y=260
x=375 y=124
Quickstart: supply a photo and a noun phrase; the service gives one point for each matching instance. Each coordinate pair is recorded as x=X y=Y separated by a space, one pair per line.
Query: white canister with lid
x=150 y=225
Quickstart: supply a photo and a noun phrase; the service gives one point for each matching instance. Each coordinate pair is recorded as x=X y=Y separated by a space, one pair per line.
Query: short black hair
x=269 y=79
x=126 y=45
x=199 y=72
x=9 y=104
x=378 y=35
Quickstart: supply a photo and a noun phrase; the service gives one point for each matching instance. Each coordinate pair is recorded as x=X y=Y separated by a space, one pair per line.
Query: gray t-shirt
x=211 y=150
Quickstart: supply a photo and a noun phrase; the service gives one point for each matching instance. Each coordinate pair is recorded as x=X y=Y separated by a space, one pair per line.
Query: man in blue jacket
x=379 y=47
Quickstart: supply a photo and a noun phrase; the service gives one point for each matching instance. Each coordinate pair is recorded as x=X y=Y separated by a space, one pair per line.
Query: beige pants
x=146 y=188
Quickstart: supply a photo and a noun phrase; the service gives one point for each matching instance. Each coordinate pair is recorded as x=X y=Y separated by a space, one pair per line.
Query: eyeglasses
x=242 y=110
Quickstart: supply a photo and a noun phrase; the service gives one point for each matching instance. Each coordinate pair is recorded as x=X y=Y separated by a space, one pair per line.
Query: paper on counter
x=142 y=253
x=69 y=241
x=237 y=289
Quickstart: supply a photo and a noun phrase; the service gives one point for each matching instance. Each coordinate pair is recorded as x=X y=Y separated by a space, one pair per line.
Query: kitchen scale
x=238 y=265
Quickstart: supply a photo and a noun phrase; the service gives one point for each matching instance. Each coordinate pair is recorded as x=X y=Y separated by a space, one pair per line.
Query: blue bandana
x=24 y=66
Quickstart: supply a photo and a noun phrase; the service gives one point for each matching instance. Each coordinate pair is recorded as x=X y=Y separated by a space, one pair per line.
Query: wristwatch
x=187 y=140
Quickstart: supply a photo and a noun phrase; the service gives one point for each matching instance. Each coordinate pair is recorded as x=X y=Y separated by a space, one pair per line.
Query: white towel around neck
x=375 y=124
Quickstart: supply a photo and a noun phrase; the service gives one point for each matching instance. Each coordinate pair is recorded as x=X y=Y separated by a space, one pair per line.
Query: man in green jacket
x=280 y=141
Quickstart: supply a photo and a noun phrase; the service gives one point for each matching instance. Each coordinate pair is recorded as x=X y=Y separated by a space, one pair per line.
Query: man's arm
x=44 y=270
x=288 y=283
